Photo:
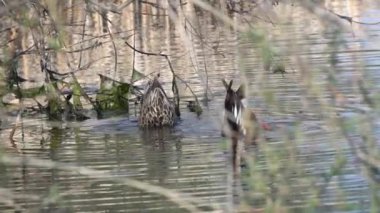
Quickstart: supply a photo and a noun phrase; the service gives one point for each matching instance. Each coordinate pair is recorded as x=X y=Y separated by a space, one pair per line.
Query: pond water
x=192 y=157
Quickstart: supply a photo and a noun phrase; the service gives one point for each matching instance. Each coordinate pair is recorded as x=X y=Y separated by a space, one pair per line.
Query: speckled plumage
x=156 y=109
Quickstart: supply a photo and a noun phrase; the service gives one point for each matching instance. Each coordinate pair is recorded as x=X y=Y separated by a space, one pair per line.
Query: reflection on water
x=156 y=149
x=168 y=157
x=192 y=156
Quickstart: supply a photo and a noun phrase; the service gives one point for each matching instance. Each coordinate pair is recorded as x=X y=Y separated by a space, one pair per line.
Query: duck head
x=234 y=105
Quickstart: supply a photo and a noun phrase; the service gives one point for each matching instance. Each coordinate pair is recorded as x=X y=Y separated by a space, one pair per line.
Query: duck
x=240 y=123
x=156 y=110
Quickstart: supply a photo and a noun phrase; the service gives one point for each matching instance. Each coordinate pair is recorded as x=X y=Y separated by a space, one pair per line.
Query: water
x=192 y=157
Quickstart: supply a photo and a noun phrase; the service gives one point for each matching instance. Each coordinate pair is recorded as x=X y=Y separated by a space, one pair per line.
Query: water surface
x=192 y=157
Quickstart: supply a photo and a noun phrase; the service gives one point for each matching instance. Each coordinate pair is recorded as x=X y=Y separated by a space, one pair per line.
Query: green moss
x=113 y=95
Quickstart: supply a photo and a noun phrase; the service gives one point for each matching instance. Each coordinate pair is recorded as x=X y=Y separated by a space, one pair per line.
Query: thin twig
x=17 y=123
x=81 y=45
x=170 y=66
x=351 y=19
x=113 y=43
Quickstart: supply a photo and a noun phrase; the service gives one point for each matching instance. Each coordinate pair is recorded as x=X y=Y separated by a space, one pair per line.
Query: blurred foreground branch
x=185 y=201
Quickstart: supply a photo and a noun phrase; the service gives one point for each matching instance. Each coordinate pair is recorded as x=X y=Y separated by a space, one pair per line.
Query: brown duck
x=156 y=110
x=240 y=123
